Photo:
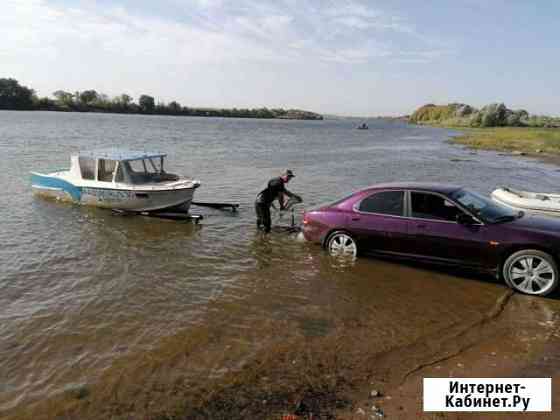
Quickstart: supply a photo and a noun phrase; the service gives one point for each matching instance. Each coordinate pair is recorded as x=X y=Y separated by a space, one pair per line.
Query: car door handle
x=421 y=226
x=355 y=218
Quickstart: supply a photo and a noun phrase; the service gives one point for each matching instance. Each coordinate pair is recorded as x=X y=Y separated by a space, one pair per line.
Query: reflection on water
x=81 y=288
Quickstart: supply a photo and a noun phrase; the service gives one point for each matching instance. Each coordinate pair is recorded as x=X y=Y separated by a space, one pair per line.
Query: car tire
x=531 y=272
x=341 y=244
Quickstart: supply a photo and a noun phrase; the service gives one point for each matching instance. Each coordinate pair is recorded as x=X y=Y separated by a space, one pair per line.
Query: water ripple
x=80 y=288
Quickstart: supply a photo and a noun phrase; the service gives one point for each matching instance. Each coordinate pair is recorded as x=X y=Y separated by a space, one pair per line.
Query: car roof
x=421 y=186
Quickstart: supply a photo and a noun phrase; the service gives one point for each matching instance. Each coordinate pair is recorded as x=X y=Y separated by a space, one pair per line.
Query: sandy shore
x=331 y=376
x=510 y=342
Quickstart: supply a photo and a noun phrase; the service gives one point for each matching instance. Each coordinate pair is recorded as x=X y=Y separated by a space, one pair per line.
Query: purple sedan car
x=442 y=224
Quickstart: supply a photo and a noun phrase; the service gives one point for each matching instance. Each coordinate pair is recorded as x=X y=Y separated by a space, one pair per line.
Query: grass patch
x=522 y=139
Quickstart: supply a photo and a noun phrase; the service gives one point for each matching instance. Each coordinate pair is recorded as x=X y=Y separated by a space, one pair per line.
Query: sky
x=343 y=57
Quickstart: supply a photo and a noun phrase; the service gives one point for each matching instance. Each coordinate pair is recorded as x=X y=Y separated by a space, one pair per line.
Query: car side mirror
x=465 y=219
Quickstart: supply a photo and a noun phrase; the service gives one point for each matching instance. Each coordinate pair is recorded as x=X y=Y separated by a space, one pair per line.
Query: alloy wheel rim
x=531 y=274
x=342 y=245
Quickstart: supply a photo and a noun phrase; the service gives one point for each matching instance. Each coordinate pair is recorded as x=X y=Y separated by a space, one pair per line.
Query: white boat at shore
x=532 y=202
x=133 y=181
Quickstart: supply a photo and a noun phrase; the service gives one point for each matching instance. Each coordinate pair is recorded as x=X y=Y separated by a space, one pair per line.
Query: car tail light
x=305 y=219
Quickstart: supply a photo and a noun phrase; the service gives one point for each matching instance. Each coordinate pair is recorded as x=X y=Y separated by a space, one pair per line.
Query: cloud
x=245 y=31
x=208 y=52
x=38 y=27
x=357 y=16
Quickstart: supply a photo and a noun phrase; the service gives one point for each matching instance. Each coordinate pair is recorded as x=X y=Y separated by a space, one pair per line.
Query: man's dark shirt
x=272 y=191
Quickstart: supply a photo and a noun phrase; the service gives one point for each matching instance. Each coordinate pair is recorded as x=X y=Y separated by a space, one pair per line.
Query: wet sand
x=324 y=365
x=519 y=339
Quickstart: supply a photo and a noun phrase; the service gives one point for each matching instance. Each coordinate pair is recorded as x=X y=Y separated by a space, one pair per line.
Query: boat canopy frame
x=92 y=166
x=119 y=154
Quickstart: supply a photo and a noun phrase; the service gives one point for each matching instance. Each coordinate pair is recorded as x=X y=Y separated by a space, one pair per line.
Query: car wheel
x=341 y=244
x=531 y=271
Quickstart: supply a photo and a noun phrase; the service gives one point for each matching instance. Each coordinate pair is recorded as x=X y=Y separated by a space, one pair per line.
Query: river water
x=81 y=289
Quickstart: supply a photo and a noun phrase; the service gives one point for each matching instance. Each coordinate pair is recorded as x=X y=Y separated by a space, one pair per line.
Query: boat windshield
x=148 y=165
x=483 y=207
x=142 y=171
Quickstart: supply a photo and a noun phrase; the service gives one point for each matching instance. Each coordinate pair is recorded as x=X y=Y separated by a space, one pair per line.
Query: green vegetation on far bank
x=495 y=127
x=492 y=115
x=14 y=96
x=526 y=140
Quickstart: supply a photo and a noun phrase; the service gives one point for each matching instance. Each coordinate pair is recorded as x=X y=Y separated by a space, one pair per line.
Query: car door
x=436 y=234
x=377 y=221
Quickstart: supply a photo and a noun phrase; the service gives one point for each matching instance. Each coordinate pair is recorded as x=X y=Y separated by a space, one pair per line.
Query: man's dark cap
x=289 y=173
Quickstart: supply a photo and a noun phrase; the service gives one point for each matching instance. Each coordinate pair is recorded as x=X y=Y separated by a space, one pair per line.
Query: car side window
x=432 y=206
x=384 y=202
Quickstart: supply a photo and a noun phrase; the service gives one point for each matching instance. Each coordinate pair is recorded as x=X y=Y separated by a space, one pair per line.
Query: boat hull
x=536 y=203
x=132 y=200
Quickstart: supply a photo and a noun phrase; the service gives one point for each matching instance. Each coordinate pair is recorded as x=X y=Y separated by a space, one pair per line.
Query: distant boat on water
x=363 y=126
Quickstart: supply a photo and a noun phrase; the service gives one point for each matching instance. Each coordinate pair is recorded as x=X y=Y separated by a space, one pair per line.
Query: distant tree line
x=14 y=96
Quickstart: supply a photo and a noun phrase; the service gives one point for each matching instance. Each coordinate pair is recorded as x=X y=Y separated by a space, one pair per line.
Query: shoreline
x=335 y=376
x=492 y=348
x=531 y=142
x=536 y=143
x=204 y=114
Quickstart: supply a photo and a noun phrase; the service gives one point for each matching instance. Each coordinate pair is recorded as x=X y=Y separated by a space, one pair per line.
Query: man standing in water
x=275 y=190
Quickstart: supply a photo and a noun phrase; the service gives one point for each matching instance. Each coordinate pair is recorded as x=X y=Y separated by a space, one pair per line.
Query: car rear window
x=384 y=202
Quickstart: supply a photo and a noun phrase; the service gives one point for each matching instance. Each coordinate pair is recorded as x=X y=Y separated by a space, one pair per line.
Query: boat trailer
x=181 y=215
x=178 y=214
x=219 y=206
x=293 y=227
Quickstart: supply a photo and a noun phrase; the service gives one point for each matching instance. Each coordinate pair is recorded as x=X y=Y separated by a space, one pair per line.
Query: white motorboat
x=532 y=202
x=133 y=181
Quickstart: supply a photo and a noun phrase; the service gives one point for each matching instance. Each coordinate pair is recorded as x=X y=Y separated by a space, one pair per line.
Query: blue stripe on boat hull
x=49 y=182
x=112 y=198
